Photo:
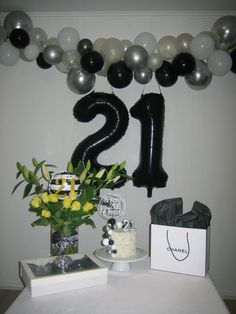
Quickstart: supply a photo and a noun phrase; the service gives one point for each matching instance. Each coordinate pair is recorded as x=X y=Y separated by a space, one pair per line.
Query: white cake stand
x=120 y=264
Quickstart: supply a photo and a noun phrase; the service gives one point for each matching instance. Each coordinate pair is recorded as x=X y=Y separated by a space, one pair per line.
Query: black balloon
x=42 y=63
x=183 y=64
x=84 y=45
x=92 y=61
x=119 y=75
x=150 y=110
x=233 y=56
x=117 y=119
x=19 y=38
x=166 y=75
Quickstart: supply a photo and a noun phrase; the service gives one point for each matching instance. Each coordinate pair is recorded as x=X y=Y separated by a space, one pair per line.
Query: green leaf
x=37 y=222
x=38 y=167
x=35 y=162
x=27 y=189
x=88 y=165
x=100 y=173
x=16 y=186
x=109 y=174
x=83 y=175
x=90 y=222
x=19 y=166
x=18 y=174
x=79 y=168
x=33 y=178
x=116 y=179
x=122 y=165
x=25 y=173
x=70 y=167
x=45 y=172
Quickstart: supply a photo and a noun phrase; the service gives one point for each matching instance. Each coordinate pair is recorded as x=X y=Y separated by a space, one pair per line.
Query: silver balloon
x=3 y=34
x=224 y=30
x=136 y=57
x=52 y=54
x=80 y=82
x=143 y=75
x=17 y=19
x=200 y=78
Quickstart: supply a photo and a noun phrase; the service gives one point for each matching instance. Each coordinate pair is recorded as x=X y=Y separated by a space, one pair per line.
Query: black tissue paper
x=169 y=212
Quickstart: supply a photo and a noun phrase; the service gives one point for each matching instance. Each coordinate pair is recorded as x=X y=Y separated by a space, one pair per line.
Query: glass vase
x=63 y=244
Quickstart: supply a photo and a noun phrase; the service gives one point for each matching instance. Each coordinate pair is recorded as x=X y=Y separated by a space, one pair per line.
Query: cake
x=125 y=242
x=119 y=238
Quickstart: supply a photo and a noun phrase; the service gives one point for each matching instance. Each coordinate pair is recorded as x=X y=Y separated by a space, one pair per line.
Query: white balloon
x=146 y=40
x=183 y=42
x=97 y=45
x=155 y=61
x=219 y=63
x=103 y=71
x=9 y=55
x=112 y=50
x=202 y=46
x=126 y=44
x=68 y=38
x=38 y=37
x=31 y=52
x=52 y=41
x=166 y=46
x=71 y=58
x=3 y=34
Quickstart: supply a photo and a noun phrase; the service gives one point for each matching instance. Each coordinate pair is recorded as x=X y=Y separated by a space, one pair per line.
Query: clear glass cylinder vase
x=63 y=244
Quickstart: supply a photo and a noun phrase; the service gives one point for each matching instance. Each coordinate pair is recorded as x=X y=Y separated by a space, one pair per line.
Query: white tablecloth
x=140 y=291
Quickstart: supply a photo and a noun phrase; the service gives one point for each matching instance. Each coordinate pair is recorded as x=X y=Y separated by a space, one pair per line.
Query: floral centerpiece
x=66 y=200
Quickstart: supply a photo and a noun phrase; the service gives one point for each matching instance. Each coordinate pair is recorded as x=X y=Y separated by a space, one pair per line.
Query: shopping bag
x=181 y=250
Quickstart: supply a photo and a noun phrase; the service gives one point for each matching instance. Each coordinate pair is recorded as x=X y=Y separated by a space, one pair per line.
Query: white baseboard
x=11 y=285
x=228 y=295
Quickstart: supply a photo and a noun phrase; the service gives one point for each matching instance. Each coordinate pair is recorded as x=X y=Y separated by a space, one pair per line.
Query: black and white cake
x=119 y=238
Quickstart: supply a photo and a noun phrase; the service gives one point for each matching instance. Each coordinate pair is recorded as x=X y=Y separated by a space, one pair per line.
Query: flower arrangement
x=69 y=199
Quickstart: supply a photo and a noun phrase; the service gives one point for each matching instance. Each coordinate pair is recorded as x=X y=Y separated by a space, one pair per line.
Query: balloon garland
x=194 y=58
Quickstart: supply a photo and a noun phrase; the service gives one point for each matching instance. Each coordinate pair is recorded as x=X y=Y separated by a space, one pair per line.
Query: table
x=140 y=291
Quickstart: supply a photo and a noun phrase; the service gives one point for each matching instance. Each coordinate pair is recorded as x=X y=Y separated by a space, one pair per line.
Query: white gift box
x=180 y=250
x=60 y=282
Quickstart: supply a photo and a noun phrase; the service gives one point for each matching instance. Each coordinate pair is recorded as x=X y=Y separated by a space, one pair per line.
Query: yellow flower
x=35 y=202
x=67 y=202
x=75 y=206
x=73 y=195
x=44 y=197
x=87 y=207
x=45 y=213
x=53 y=198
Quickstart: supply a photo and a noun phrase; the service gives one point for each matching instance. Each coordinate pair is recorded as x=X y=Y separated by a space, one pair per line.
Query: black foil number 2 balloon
x=150 y=110
x=117 y=119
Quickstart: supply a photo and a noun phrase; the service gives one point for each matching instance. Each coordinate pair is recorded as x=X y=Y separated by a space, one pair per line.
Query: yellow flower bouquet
x=68 y=199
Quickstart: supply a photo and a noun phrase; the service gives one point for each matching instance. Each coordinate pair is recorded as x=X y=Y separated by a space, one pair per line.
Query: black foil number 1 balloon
x=150 y=110
x=117 y=119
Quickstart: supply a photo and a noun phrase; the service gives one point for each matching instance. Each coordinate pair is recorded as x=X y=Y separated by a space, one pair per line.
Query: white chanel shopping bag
x=181 y=250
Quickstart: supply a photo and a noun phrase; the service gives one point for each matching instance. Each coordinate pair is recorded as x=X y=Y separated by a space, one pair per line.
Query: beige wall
x=199 y=142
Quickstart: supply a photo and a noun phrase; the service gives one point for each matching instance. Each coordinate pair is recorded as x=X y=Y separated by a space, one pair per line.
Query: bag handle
x=168 y=241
